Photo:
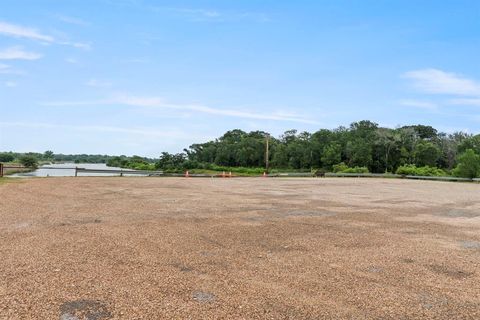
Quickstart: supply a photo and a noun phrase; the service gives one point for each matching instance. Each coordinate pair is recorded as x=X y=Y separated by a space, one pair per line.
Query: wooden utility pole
x=1 y=170
x=267 y=136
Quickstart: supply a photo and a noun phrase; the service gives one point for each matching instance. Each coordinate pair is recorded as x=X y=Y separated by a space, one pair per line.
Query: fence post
x=1 y=170
x=76 y=171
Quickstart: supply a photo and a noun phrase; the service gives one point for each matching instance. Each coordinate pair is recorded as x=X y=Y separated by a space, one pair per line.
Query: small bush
x=356 y=170
x=339 y=167
x=142 y=166
x=29 y=161
x=244 y=170
x=6 y=157
x=343 y=168
x=468 y=165
x=425 y=171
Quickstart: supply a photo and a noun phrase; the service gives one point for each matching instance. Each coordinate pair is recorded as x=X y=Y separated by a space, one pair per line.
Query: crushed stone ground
x=246 y=248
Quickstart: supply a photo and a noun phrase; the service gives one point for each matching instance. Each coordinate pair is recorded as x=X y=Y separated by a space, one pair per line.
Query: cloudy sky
x=143 y=76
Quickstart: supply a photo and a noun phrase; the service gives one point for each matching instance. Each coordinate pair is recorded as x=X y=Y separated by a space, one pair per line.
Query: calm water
x=67 y=170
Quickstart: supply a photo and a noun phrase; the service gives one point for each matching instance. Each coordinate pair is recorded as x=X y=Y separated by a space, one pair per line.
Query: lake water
x=68 y=170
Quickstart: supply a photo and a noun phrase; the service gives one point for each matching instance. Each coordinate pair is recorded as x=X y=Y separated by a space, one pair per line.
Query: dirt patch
x=375 y=269
x=182 y=267
x=458 y=213
x=470 y=244
x=450 y=271
x=72 y=222
x=203 y=297
x=308 y=213
x=84 y=310
x=429 y=301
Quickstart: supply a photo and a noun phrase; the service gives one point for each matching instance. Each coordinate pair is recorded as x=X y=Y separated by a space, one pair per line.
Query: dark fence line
x=119 y=172
x=123 y=172
x=4 y=170
x=374 y=175
x=398 y=176
x=151 y=173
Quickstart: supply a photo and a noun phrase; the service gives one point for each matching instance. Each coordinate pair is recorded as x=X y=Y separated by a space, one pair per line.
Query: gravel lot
x=246 y=248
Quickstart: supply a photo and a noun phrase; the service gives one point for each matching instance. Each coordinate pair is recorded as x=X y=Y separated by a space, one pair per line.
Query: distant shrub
x=142 y=166
x=6 y=157
x=426 y=171
x=339 y=167
x=343 y=168
x=244 y=170
x=28 y=161
x=356 y=170
x=468 y=165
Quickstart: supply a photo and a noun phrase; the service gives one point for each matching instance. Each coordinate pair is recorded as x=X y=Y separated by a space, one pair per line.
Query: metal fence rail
x=119 y=172
x=374 y=175
x=4 y=169
x=122 y=172
x=398 y=176
x=363 y=175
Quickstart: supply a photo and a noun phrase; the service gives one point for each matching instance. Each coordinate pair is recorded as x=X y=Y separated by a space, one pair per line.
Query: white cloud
x=23 y=32
x=440 y=82
x=76 y=103
x=10 y=84
x=156 y=102
x=200 y=13
x=17 y=31
x=5 y=68
x=100 y=128
x=73 y=20
x=134 y=60
x=79 y=45
x=466 y=102
x=98 y=83
x=213 y=15
x=71 y=60
x=17 y=53
x=419 y=104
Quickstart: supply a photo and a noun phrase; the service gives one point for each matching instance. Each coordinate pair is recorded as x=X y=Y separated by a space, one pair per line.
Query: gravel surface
x=253 y=248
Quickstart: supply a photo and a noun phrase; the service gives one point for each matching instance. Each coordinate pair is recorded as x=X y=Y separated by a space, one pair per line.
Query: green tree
x=359 y=153
x=280 y=157
x=332 y=154
x=48 y=155
x=387 y=140
x=29 y=161
x=471 y=142
x=468 y=165
x=359 y=148
x=169 y=161
x=425 y=132
x=6 y=157
x=426 y=154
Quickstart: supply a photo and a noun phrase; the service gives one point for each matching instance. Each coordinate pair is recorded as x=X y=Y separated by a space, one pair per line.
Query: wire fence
x=127 y=172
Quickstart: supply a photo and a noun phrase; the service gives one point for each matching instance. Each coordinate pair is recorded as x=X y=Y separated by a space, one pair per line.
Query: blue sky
x=141 y=77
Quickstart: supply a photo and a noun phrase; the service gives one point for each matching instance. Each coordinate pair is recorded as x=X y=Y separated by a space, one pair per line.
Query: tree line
x=32 y=159
x=363 y=146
